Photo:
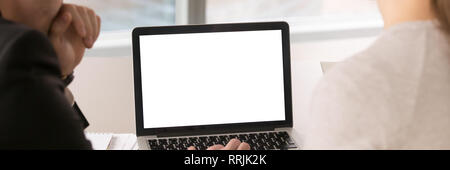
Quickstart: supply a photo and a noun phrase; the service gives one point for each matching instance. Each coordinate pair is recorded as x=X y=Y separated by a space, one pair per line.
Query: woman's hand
x=74 y=29
x=234 y=144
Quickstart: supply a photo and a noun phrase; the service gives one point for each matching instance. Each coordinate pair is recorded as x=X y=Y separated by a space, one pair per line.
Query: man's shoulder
x=23 y=49
x=16 y=37
x=10 y=31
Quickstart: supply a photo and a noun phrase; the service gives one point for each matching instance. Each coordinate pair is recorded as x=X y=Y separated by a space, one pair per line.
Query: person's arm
x=35 y=111
x=342 y=113
x=74 y=29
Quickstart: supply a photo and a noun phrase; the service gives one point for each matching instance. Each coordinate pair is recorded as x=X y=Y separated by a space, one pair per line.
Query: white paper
x=99 y=141
x=123 y=142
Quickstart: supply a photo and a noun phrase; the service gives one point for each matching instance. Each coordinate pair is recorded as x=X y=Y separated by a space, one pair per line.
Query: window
x=308 y=19
x=315 y=18
x=289 y=10
x=127 y=14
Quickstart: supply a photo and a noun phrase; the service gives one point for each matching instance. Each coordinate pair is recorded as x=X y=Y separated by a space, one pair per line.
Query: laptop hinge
x=211 y=132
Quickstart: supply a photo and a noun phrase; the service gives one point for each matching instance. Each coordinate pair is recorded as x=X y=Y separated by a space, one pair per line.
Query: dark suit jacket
x=34 y=112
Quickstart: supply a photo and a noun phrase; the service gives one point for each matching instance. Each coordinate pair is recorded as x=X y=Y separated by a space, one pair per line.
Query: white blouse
x=394 y=95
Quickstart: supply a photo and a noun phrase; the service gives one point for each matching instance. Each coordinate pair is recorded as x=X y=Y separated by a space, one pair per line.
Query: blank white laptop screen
x=212 y=78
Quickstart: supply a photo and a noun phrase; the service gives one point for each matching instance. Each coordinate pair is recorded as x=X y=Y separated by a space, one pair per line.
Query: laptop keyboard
x=257 y=141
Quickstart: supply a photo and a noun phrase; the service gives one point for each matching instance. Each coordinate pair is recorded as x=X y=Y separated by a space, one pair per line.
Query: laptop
x=201 y=85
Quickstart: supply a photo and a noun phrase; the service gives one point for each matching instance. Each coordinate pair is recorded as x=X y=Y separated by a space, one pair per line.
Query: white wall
x=103 y=86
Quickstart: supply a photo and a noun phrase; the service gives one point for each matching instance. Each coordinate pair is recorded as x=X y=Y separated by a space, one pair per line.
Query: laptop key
x=152 y=142
x=271 y=147
x=203 y=139
x=202 y=147
x=243 y=137
x=264 y=135
x=182 y=140
x=272 y=135
x=193 y=138
x=173 y=141
x=162 y=142
x=283 y=134
x=183 y=146
x=156 y=148
x=233 y=136
x=215 y=139
x=260 y=147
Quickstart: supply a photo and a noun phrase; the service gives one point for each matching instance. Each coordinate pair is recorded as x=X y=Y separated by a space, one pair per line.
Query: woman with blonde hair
x=396 y=93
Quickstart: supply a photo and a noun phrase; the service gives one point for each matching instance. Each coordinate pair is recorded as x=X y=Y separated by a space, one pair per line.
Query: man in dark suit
x=41 y=42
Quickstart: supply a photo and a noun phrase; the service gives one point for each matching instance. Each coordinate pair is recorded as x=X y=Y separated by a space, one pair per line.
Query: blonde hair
x=442 y=9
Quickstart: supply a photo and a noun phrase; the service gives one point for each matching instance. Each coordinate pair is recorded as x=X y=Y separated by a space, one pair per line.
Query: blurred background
x=125 y=15
x=321 y=30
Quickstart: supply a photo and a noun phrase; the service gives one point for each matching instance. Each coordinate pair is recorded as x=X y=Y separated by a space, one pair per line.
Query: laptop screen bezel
x=210 y=28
